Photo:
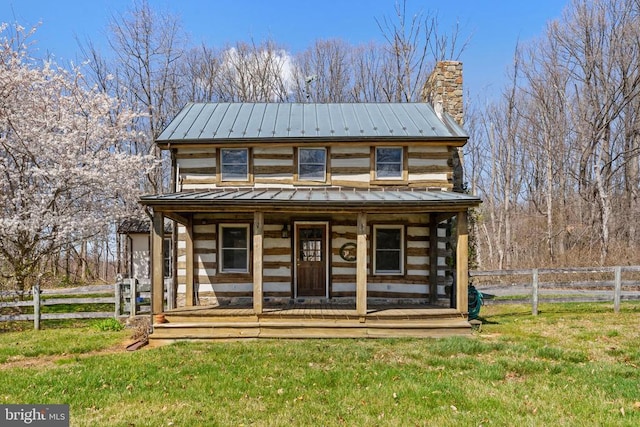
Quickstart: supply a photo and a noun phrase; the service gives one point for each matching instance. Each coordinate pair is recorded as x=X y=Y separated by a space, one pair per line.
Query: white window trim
x=221 y=228
x=324 y=176
x=391 y=178
x=222 y=150
x=375 y=250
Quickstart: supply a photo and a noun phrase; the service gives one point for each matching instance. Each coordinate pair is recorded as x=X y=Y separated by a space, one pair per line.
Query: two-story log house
x=324 y=219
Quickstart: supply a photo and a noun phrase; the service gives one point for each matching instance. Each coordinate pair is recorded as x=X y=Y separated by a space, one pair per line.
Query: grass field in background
x=573 y=365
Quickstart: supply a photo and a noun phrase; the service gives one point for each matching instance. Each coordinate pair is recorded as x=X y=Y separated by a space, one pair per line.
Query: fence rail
x=128 y=297
x=593 y=290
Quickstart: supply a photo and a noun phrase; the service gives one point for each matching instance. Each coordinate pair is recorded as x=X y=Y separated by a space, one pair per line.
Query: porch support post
x=157 y=273
x=361 y=265
x=433 y=258
x=462 y=263
x=189 y=261
x=258 y=236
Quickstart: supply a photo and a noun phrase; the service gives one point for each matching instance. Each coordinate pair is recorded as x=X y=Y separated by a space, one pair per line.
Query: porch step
x=186 y=318
x=167 y=332
x=205 y=315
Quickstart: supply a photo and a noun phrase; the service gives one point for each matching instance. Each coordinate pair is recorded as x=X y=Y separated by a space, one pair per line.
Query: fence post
x=118 y=297
x=36 y=306
x=132 y=297
x=617 y=289
x=534 y=292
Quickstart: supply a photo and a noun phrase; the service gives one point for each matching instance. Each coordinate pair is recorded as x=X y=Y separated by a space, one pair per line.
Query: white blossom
x=65 y=166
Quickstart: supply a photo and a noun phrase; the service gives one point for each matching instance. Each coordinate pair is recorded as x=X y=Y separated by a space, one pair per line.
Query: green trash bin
x=475 y=302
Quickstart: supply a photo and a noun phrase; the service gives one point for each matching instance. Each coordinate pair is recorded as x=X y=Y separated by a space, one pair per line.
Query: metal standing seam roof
x=257 y=121
x=311 y=196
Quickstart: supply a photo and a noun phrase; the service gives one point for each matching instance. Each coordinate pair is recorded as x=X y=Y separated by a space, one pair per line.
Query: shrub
x=108 y=325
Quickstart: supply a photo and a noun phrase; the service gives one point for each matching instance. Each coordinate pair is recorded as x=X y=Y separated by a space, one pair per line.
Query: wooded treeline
x=555 y=156
x=151 y=67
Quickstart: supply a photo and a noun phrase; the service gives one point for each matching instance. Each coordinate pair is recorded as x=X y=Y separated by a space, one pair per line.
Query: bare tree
x=599 y=49
x=570 y=125
x=549 y=147
x=201 y=70
x=413 y=45
x=147 y=47
x=323 y=73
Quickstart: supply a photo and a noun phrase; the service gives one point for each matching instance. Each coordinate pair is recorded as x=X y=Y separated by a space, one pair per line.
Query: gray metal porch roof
x=241 y=122
x=313 y=197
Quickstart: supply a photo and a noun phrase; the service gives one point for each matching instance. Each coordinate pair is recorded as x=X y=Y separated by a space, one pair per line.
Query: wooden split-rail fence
x=596 y=284
x=128 y=298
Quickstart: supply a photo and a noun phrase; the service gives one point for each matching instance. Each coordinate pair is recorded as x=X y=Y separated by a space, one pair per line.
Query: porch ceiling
x=330 y=199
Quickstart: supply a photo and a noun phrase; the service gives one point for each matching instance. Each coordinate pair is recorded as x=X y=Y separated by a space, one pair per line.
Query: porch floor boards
x=308 y=321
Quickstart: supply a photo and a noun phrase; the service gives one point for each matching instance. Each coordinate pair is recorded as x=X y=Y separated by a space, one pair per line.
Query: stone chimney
x=443 y=89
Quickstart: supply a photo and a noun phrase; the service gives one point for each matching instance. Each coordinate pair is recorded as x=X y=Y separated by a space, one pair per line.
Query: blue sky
x=495 y=26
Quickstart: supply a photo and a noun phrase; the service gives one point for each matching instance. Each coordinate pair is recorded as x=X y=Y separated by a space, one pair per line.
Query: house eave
x=315 y=200
x=458 y=141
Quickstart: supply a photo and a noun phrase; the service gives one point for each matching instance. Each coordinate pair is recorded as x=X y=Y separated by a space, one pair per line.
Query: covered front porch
x=419 y=309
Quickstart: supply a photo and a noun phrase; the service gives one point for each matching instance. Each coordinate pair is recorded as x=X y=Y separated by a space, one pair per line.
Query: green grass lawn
x=573 y=365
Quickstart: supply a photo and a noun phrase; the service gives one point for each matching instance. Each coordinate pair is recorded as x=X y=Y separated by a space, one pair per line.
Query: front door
x=311 y=259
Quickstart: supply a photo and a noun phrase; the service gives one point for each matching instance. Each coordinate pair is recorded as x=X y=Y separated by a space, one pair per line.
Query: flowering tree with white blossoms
x=65 y=171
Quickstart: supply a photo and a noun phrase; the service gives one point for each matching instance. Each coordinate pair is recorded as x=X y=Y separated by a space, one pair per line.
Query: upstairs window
x=234 y=164
x=388 y=243
x=389 y=162
x=234 y=248
x=312 y=164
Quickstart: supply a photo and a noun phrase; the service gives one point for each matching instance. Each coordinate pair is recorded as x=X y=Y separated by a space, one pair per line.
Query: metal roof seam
x=235 y=120
x=331 y=127
x=259 y=132
x=186 y=109
x=244 y=131
x=224 y=113
x=411 y=117
x=404 y=127
x=360 y=127
x=388 y=126
x=206 y=123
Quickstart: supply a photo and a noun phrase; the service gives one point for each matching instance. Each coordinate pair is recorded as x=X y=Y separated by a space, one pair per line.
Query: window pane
x=387 y=155
x=234 y=156
x=389 y=170
x=388 y=261
x=312 y=155
x=234 y=172
x=235 y=249
x=388 y=250
x=388 y=238
x=235 y=259
x=234 y=164
x=234 y=237
x=312 y=172
x=312 y=163
x=389 y=162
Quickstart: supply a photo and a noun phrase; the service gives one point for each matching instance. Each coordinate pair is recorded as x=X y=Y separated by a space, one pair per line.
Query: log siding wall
x=347 y=165
x=278 y=264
